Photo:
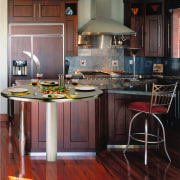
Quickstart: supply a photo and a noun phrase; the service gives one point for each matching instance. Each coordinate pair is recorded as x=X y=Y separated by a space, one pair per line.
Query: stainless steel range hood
x=101 y=21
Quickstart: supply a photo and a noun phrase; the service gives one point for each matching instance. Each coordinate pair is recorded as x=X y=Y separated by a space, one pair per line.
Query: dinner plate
x=49 y=83
x=15 y=90
x=85 y=88
x=53 y=96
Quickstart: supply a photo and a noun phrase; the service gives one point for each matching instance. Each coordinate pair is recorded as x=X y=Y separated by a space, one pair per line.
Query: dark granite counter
x=124 y=85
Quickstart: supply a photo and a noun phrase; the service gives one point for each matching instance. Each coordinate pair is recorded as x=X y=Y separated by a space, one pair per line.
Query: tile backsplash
x=98 y=59
x=171 y=66
x=101 y=59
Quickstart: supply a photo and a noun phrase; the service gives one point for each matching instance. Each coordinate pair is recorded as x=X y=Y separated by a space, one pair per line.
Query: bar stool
x=161 y=99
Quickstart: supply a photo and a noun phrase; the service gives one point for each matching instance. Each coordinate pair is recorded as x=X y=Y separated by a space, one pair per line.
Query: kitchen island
x=88 y=126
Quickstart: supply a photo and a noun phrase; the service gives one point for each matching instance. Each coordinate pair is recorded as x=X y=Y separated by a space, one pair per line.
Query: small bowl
x=135 y=11
x=155 y=7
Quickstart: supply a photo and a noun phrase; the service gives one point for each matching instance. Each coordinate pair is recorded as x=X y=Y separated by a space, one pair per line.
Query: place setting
x=18 y=91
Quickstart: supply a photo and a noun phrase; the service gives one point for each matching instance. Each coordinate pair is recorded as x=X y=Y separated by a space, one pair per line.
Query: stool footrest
x=143 y=141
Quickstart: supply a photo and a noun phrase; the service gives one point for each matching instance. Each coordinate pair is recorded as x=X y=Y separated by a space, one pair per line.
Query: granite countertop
x=108 y=83
x=122 y=85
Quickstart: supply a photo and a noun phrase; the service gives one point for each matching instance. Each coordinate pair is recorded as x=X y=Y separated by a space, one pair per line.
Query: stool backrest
x=162 y=95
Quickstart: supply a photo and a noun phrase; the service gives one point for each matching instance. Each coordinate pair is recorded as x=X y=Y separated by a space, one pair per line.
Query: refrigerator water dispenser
x=19 y=67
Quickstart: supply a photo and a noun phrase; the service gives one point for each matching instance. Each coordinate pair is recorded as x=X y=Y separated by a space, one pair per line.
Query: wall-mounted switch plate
x=82 y=62
x=115 y=63
x=130 y=61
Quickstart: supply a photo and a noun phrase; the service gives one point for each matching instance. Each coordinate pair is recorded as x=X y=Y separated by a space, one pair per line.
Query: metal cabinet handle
x=76 y=35
x=168 y=37
x=39 y=10
x=142 y=36
x=159 y=36
x=34 y=10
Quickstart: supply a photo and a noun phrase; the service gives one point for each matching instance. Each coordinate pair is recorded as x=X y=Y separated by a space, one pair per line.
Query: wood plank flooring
x=107 y=165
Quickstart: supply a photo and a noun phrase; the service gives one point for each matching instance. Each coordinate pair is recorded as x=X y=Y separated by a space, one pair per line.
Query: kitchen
x=144 y=65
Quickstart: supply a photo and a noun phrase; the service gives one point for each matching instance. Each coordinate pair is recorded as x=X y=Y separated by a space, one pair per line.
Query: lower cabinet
x=81 y=126
x=75 y=126
x=119 y=117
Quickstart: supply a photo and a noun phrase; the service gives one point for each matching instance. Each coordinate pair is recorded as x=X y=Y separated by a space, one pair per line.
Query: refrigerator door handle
x=34 y=58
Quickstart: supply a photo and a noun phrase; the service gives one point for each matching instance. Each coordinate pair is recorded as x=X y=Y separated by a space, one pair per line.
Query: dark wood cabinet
x=50 y=11
x=148 y=20
x=71 y=29
x=81 y=126
x=71 y=35
x=154 y=31
x=119 y=117
x=76 y=126
x=36 y=10
x=138 y=41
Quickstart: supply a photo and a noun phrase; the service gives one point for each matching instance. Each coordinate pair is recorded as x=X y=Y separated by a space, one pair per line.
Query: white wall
x=3 y=53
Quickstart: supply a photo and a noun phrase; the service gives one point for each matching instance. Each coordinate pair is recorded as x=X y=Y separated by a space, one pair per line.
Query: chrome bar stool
x=161 y=99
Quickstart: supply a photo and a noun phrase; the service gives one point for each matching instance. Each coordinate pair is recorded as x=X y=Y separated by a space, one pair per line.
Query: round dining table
x=82 y=94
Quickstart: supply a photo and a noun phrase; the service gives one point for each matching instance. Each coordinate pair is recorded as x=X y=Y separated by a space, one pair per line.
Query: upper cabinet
x=50 y=11
x=147 y=18
x=154 y=36
x=154 y=29
x=36 y=10
x=71 y=28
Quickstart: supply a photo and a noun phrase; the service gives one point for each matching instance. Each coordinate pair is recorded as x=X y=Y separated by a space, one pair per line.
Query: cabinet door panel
x=137 y=24
x=36 y=10
x=119 y=112
x=42 y=122
x=79 y=122
x=71 y=33
x=154 y=36
x=49 y=51
x=21 y=10
x=50 y=11
x=79 y=125
x=119 y=117
x=24 y=10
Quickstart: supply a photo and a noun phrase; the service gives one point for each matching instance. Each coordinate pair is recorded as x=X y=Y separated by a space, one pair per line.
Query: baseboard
x=3 y=117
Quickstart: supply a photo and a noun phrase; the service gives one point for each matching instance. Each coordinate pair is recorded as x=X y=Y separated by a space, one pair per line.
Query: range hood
x=101 y=21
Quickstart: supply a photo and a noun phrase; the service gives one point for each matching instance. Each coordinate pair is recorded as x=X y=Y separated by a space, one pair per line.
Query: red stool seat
x=145 y=107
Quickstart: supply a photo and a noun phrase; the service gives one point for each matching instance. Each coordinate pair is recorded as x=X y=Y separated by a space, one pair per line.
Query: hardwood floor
x=107 y=165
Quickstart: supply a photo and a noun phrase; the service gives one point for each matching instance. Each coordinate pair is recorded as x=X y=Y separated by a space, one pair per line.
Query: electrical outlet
x=115 y=63
x=82 y=62
x=130 y=61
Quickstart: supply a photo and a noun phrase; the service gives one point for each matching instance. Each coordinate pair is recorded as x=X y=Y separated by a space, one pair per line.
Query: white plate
x=85 y=88
x=15 y=90
x=54 y=96
x=48 y=83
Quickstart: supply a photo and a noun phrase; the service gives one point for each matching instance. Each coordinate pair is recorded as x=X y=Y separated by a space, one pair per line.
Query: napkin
x=37 y=84
x=20 y=93
x=70 y=96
